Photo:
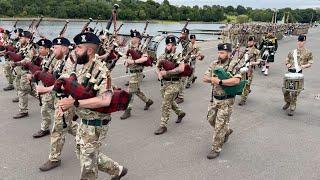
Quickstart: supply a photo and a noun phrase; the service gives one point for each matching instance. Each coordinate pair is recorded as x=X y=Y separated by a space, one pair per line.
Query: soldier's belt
x=172 y=79
x=96 y=122
x=223 y=97
x=136 y=71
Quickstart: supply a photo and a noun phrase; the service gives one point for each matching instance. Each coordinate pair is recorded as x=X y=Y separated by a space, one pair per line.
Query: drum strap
x=295 y=60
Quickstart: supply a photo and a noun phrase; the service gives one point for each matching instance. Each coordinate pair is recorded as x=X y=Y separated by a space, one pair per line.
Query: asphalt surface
x=266 y=143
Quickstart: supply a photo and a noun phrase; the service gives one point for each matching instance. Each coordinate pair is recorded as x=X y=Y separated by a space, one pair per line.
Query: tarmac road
x=266 y=143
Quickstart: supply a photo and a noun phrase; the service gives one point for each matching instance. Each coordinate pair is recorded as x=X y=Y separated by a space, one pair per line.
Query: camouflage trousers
x=23 y=88
x=182 y=87
x=246 y=89
x=134 y=88
x=193 y=66
x=8 y=72
x=58 y=133
x=291 y=98
x=89 y=139
x=219 y=113
x=169 y=92
x=47 y=110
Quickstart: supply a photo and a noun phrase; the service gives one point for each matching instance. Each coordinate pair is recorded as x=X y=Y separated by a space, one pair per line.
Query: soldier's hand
x=41 y=89
x=206 y=79
x=66 y=103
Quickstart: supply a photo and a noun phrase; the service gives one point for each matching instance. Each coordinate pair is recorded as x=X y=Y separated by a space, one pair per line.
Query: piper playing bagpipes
x=220 y=108
x=268 y=48
x=92 y=102
x=136 y=59
x=170 y=83
x=195 y=55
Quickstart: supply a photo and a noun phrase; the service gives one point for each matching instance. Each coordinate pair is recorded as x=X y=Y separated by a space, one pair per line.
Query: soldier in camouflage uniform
x=185 y=42
x=23 y=84
x=47 y=108
x=220 y=108
x=7 y=69
x=251 y=55
x=304 y=60
x=170 y=84
x=63 y=123
x=93 y=125
x=196 y=55
x=136 y=68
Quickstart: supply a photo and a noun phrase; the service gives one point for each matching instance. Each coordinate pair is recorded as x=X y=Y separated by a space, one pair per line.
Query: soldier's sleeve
x=310 y=58
x=289 y=58
x=209 y=70
x=161 y=57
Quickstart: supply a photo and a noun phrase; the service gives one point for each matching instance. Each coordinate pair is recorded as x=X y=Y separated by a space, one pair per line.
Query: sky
x=251 y=3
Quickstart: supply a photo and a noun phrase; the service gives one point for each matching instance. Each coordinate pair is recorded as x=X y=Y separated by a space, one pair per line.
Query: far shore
x=84 y=20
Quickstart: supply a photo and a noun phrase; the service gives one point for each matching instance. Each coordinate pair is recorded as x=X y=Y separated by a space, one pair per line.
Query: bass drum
x=156 y=46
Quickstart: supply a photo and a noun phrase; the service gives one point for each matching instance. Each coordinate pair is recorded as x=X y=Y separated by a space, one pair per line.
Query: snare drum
x=156 y=46
x=293 y=82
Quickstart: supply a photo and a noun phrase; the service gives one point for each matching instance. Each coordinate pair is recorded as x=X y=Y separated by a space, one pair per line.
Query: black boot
x=20 y=115
x=9 y=88
x=148 y=104
x=123 y=173
x=180 y=117
x=41 y=133
x=213 y=154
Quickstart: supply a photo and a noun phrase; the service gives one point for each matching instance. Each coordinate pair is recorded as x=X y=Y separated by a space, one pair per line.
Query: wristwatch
x=220 y=82
x=76 y=103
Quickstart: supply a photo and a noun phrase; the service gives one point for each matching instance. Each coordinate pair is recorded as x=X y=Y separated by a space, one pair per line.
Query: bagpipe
x=90 y=86
x=16 y=57
x=137 y=54
x=109 y=43
x=48 y=78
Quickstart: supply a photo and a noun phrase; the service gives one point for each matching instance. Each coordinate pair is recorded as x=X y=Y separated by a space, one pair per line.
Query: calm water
x=51 y=29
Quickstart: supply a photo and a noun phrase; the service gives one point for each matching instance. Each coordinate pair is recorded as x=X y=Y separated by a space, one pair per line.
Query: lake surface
x=51 y=29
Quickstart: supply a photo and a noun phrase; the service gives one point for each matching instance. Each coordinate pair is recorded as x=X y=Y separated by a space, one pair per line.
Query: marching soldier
x=23 y=85
x=136 y=68
x=7 y=69
x=297 y=60
x=47 y=108
x=196 y=55
x=185 y=42
x=268 y=48
x=220 y=108
x=171 y=84
x=252 y=54
x=93 y=125
x=63 y=122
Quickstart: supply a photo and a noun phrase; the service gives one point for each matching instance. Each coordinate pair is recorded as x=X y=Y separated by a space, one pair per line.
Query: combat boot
x=180 y=117
x=213 y=154
x=123 y=173
x=286 y=106
x=20 y=115
x=9 y=88
x=127 y=83
x=226 y=137
x=126 y=114
x=41 y=133
x=242 y=102
x=50 y=165
x=15 y=100
x=290 y=113
x=194 y=79
x=148 y=104
x=161 y=130
x=188 y=86
x=179 y=100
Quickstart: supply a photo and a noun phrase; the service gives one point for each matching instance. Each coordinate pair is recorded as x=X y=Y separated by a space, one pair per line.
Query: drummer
x=297 y=60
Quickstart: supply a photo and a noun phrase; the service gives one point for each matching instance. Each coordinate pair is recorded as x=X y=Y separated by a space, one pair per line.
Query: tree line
x=151 y=10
